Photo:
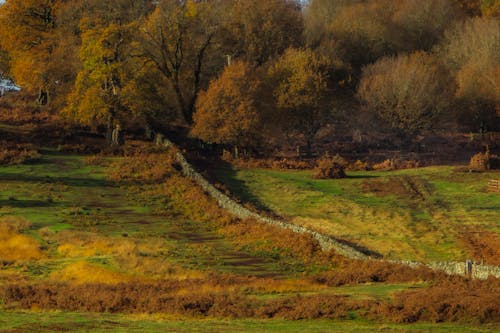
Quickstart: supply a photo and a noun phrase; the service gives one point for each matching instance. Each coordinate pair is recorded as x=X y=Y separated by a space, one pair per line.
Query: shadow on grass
x=25 y=203
x=350 y=176
x=238 y=188
x=69 y=181
x=360 y=248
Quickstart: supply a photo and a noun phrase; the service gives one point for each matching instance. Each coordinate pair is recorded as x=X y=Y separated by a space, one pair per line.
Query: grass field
x=81 y=251
x=426 y=214
x=41 y=322
x=62 y=193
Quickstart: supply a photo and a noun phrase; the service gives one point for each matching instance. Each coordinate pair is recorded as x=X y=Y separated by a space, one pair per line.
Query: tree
x=4 y=62
x=319 y=15
x=27 y=35
x=490 y=8
x=106 y=35
x=176 y=39
x=261 y=30
x=353 y=33
x=470 y=50
x=231 y=110
x=423 y=22
x=409 y=92
x=300 y=81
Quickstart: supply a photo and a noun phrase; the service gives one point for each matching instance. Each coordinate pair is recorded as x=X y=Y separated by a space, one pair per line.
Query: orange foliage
x=145 y=166
x=452 y=299
x=17 y=153
x=229 y=112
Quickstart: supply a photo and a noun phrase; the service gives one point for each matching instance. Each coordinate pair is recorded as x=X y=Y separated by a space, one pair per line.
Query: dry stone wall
x=326 y=242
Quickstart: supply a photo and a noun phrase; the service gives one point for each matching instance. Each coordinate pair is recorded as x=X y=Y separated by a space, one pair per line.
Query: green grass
x=413 y=214
x=67 y=200
x=369 y=291
x=60 y=192
x=45 y=322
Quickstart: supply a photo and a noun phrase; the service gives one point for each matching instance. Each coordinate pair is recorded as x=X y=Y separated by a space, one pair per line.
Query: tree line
x=249 y=73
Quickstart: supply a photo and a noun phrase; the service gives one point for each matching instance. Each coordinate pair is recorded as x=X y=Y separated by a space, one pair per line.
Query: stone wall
x=456 y=268
x=326 y=242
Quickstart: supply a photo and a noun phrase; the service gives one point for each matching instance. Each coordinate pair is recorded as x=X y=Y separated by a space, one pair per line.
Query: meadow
x=123 y=242
x=440 y=213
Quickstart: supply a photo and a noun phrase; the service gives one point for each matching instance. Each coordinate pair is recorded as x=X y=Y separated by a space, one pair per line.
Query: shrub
x=396 y=164
x=275 y=164
x=359 y=165
x=351 y=272
x=17 y=153
x=450 y=299
x=14 y=245
x=330 y=168
x=484 y=161
x=149 y=167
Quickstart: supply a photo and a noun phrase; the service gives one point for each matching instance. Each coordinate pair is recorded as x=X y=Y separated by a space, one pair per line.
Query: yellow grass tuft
x=83 y=272
x=15 y=246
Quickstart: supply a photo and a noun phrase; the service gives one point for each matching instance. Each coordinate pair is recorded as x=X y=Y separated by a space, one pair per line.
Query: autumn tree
x=421 y=23
x=480 y=7
x=230 y=112
x=176 y=39
x=470 y=51
x=145 y=97
x=490 y=8
x=106 y=34
x=300 y=81
x=4 y=62
x=352 y=33
x=409 y=92
x=27 y=35
x=319 y=15
x=257 y=31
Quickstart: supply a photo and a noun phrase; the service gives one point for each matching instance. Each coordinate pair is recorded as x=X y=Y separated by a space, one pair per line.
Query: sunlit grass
x=45 y=322
x=397 y=222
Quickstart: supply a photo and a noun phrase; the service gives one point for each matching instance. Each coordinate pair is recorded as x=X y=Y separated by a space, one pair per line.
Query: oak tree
x=300 y=81
x=176 y=39
x=231 y=110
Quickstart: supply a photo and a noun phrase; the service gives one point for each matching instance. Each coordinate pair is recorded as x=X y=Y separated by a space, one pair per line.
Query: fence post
x=468 y=268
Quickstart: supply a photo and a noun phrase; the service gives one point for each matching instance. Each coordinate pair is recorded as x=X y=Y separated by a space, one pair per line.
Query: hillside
x=425 y=214
x=125 y=233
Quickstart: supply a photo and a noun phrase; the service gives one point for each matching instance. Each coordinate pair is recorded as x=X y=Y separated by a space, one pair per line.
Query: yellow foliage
x=191 y=10
x=83 y=272
x=95 y=247
x=15 y=246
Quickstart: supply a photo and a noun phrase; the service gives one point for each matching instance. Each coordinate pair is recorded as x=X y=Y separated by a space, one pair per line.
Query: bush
x=359 y=165
x=149 y=167
x=17 y=153
x=484 y=161
x=396 y=164
x=451 y=299
x=330 y=168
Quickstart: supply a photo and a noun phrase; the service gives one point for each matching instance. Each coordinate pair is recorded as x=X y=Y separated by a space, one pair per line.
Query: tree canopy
x=198 y=64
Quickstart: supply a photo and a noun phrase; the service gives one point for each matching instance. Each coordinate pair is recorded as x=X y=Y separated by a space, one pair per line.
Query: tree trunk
x=109 y=129
x=308 y=147
x=43 y=97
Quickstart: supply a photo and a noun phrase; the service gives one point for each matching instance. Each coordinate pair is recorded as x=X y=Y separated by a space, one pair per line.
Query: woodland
x=262 y=76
